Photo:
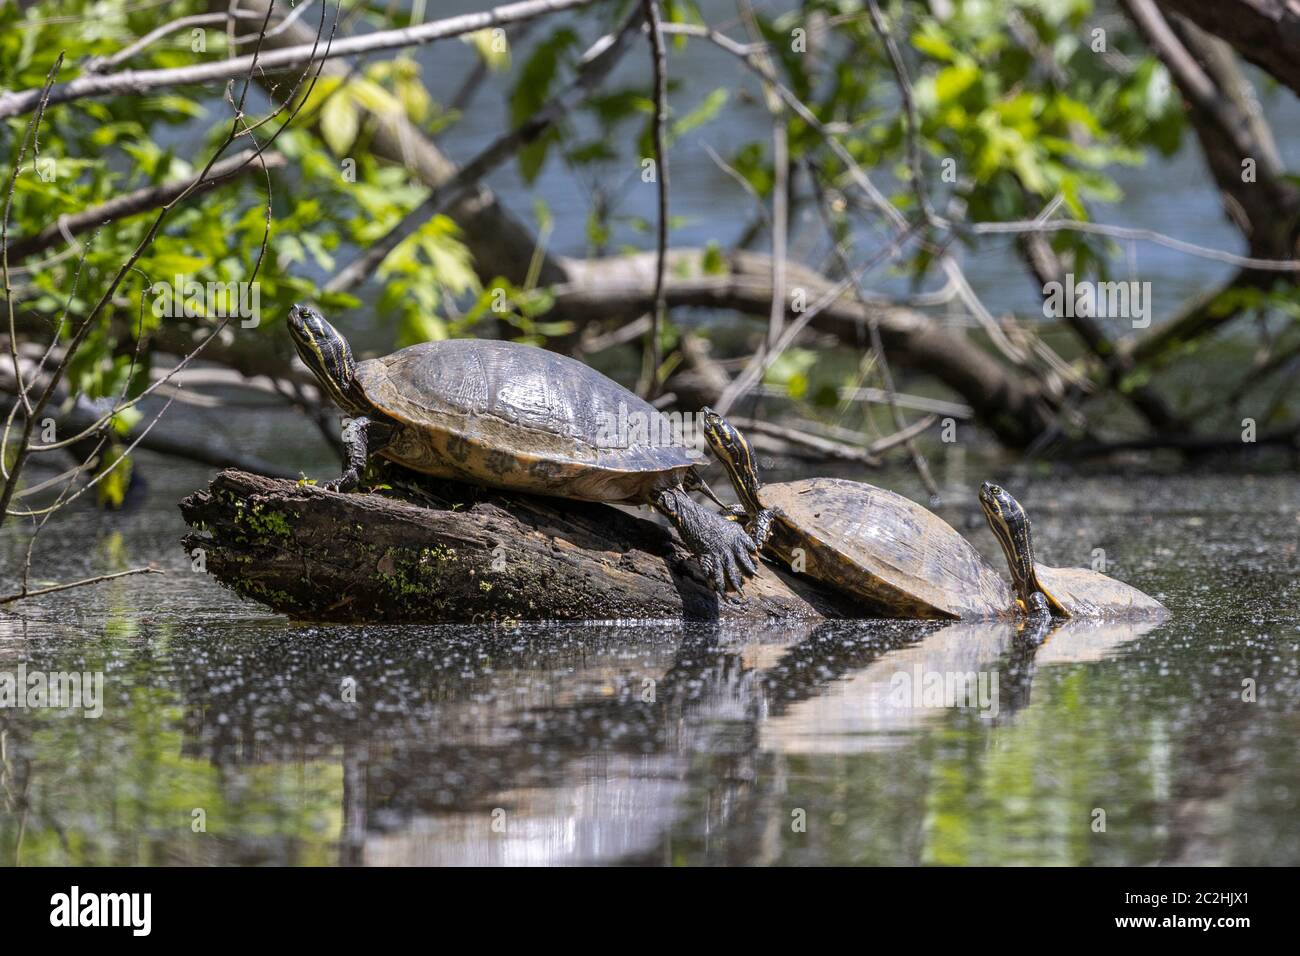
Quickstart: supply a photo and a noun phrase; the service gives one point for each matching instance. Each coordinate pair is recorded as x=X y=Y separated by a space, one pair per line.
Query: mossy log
x=432 y=552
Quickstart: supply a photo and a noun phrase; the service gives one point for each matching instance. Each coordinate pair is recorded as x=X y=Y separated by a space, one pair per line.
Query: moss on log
x=433 y=552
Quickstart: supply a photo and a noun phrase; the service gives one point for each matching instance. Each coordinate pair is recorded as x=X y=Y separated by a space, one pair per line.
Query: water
x=226 y=736
x=675 y=744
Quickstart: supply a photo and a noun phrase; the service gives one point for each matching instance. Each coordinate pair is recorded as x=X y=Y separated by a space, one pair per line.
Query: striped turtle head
x=1010 y=526
x=736 y=456
x=328 y=355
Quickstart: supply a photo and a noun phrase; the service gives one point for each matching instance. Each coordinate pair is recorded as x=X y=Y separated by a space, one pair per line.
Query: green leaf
x=492 y=46
x=951 y=82
x=532 y=90
x=339 y=124
x=714 y=264
x=419 y=327
x=929 y=40
x=114 y=478
x=706 y=110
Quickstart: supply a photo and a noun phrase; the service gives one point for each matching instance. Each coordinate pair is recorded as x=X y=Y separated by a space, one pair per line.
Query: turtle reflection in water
x=518 y=418
x=902 y=560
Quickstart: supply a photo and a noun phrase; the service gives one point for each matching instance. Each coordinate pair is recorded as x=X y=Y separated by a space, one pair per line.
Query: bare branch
x=22 y=595
x=140 y=81
x=100 y=64
x=659 y=62
x=877 y=345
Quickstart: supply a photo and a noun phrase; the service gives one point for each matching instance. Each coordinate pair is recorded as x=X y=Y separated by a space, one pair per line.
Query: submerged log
x=438 y=551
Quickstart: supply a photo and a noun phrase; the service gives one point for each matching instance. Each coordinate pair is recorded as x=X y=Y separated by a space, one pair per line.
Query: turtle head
x=736 y=455
x=328 y=355
x=1010 y=526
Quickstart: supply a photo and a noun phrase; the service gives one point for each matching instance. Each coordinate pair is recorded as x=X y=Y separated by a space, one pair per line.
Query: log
x=442 y=552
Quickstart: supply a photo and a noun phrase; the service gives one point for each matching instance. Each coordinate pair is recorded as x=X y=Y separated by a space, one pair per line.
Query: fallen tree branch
x=623 y=287
x=1192 y=444
x=442 y=552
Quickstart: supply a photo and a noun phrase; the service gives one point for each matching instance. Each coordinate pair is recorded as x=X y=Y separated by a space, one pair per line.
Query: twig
x=913 y=141
x=141 y=81
x=659 y=60
x=30 y=136
x=765 y=358
x=916 y=402
x=141 y=200
x=734 y=174
x=780 y=179
x=99 y=64
x=473 y=81
x=903 y=436
x=284 y=24
x=23 y=595
x=827 y=447
x=1124 y=232
x=877 y=345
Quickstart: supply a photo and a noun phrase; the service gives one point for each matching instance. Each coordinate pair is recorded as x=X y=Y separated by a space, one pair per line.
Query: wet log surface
x=440 y=552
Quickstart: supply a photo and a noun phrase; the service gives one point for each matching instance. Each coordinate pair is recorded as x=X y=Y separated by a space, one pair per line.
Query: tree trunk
x=443 y=552
x=1265 y=32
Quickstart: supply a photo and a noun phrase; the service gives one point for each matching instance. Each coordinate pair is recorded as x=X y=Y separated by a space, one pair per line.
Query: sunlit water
x=228 y=735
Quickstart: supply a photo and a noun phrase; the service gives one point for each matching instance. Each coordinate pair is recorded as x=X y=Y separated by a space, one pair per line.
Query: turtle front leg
x=724 y=550
x=1038 y=621
x=761 y=526
x=361 y=438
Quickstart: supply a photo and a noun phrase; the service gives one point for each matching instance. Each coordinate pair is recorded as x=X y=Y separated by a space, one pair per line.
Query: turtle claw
x=734 y=557
x=343 y=483
x=713 y=572
x=723 y=548
x=725 y=572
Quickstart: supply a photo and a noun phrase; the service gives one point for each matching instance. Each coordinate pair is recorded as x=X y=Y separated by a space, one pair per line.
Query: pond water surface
x=229 y=735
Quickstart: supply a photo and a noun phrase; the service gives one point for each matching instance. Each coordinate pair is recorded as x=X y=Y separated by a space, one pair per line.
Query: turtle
x=898 y=558
x=1069 y=592
x=518 y=418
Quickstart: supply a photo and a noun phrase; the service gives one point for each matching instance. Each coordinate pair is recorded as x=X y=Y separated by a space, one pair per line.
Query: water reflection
x=984 y=666
x=231 y=736
x=542 y=745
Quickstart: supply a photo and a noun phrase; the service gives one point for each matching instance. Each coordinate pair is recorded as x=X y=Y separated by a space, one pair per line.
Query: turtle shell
x=899 y=558
x=1086 y=593
x=522 y=418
